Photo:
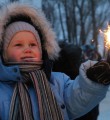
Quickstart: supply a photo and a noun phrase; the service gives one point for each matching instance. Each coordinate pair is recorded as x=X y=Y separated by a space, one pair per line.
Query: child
x=28 y=88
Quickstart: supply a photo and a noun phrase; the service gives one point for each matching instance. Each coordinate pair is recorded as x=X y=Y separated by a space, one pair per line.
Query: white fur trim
x=38 y=18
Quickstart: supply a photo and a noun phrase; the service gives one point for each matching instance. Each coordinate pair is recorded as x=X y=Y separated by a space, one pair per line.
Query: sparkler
x=107 y=43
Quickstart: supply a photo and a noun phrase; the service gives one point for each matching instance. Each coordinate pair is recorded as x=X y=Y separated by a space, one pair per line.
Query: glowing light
x=92 y=40
x=107 y=37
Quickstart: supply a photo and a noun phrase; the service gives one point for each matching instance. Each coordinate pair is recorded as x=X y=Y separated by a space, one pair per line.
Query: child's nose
x=27 y=49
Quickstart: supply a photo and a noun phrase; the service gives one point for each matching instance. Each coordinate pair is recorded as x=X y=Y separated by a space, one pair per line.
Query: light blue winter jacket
x=75 y=97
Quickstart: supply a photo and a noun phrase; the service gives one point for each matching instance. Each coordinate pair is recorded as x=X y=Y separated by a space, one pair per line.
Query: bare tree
x=80 y=6
x=61 y=20
x=78 y=21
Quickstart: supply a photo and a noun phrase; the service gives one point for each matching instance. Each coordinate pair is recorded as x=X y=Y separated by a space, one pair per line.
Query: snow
x=104 y=108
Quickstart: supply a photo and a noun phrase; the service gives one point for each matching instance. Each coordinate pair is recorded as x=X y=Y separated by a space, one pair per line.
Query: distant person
x=69 y=59
x=90 y=53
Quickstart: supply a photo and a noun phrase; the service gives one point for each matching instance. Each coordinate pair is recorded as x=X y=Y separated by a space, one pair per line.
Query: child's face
x=24 y=48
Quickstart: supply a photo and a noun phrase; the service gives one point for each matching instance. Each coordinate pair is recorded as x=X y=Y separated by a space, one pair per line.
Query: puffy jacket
x=75 y=97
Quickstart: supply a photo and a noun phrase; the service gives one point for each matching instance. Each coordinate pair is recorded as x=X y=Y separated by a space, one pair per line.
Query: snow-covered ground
x=104 y=108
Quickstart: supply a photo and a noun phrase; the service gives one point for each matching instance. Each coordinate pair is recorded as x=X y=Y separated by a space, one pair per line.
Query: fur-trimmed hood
x=38 y=19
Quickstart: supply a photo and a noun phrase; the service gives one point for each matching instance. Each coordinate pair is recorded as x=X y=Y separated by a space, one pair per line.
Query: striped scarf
x=21 y=107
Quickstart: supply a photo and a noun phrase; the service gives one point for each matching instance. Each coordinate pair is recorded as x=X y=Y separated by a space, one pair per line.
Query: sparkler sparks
x=107 y=37
x=106 y=34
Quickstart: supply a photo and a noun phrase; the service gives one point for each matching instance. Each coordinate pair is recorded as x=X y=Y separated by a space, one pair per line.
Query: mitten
x=100 y=73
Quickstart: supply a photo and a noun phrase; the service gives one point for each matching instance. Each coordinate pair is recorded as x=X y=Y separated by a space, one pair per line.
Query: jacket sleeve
x=82 y=94
x=9 y=73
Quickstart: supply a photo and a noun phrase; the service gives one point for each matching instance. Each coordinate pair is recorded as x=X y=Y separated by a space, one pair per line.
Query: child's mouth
x=29 y=59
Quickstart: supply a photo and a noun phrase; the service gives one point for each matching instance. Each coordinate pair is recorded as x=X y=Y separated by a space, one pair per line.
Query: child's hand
x=100 y=73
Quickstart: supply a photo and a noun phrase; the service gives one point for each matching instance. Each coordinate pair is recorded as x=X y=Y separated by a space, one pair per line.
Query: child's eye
x=18 y=44
x=33 y=44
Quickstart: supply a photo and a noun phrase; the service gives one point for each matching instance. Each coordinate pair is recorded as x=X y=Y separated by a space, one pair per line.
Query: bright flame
x=107 y=37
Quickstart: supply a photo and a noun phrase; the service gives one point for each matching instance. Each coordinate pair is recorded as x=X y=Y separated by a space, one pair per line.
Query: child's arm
x=83 y=94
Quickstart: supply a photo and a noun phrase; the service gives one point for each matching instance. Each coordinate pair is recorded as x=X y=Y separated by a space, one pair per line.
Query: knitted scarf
x=21 y=108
